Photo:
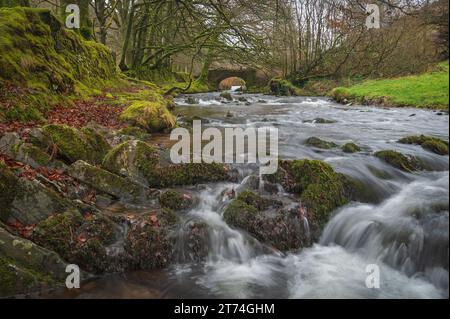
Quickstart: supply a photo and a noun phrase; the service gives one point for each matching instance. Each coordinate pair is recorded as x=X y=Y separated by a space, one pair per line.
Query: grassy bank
x=427 y=90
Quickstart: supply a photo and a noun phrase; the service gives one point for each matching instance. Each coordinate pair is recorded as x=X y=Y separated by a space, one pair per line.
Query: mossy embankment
x=43 y=64
x=427 y=90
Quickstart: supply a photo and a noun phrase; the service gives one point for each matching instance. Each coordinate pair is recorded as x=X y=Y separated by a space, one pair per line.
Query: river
x=402 y=226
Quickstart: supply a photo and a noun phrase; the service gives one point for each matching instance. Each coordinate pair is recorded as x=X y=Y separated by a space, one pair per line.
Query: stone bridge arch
x=252 y=77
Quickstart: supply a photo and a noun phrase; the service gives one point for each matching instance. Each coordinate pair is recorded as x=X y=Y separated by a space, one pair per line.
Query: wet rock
x=143 y=163
x=150 y=240
x=229 y=114
x=398 y=160
x=319 y=143
x=321 y=190
x=176 y=201
x=79 y=240
x=227 y=96
x=262 y=101
x=351 y=148
x=431 y=144
x=279 y=228
x=26 y=201
x=195 y=242
x=71 y=144
x=26 y=267
x=282 y=87
x=242 y=99
x=191 y=100
x=109 y=183
x=251 y=182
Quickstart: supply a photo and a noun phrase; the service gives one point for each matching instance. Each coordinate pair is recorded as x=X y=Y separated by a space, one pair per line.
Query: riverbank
x=427 y=90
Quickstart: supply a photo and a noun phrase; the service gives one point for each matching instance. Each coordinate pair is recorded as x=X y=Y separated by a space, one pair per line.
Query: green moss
x=75 y=145
x=320 y=188
x=431 y=144
x=255 y=200
x=398 y=160
x=151 y=116
x=351 y=148
x=240 y=214
x=48 y=63
x=319 y=143
x=283 y=87
x=77 y=240
x=141 y=162
x=175 y=200
x=135 y=132
x=8 y=191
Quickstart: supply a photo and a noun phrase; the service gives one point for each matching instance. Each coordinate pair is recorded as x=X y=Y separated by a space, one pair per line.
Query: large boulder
x=150 y=241
x=27 y=201
x=79 y=240
x=431 y=144
x=152 y=116
x=26 y=267
x=143 y=163
x=120 y=187
x=320 y=189
x=71 y=144
x=265 y=219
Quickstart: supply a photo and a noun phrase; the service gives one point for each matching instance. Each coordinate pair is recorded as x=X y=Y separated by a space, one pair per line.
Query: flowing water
x=402 y=226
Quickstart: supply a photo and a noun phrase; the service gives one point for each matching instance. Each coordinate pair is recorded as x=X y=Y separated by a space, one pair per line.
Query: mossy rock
x=143 y=163
x=175 y=200
x=398 y=160
x=152 y=116
x=109 y=183
x=351 y=148
x=26 y=267
x=280 y=229
x=319 y=143
x=135 y=132
x=150 y=242
x=431 y=144
x=27 y=201
x=73 y=145
x=226 y=96
x=79 y=240
x=257 y=201
x=318 y=186
x=282 y=87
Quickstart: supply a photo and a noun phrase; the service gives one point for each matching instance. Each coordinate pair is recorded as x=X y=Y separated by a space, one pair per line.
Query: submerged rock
x=398 y=160
x=431 y=144
x=351 y=148
x=319 y=143
x=109 y=183
x=320 y=120
x=26 y=201
x=26 y=267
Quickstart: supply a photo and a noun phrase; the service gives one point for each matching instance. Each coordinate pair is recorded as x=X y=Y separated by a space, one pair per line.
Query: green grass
x=427 y=90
